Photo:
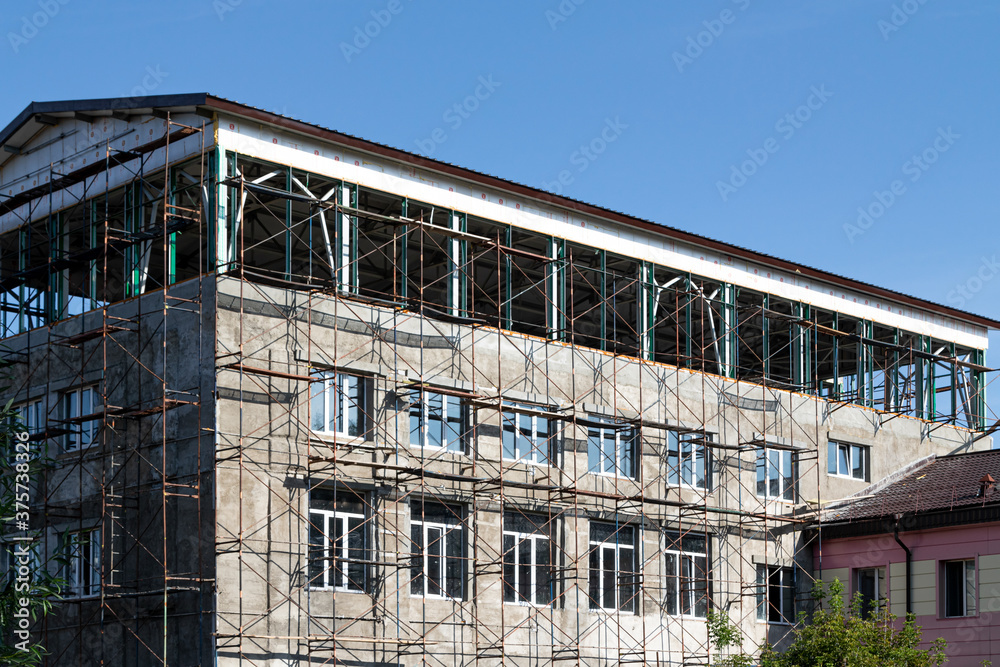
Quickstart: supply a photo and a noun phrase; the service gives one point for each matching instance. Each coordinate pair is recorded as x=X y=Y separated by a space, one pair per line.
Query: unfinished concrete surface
x=346 y=405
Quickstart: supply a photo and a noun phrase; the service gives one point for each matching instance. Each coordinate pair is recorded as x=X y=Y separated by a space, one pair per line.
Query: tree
x=838 y=636
x=27 y=594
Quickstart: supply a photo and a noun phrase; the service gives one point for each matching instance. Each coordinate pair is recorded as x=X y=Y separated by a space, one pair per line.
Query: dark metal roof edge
x=225 y=105
x=910 y=521
x=100 y=104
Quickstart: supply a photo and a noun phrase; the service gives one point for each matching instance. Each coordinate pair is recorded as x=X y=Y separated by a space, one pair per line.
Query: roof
x=38 y=114
x=944 y=484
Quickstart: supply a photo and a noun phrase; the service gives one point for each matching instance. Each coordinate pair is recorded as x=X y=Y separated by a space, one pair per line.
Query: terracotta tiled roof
x=948 y=482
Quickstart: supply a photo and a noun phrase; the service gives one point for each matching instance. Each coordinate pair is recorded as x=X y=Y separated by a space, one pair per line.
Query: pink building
x=928 y=541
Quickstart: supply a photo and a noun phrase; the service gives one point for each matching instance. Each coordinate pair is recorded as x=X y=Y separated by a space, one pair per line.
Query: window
x=438 y=551
x=847 y=460
x=437 y=421
x=687 y=575
x=338 y=540
x=611 y=448
x=870 y=583
x=688 y=460
x=526 y=437
x=775 y=474
x=612 y=567
x=775 y=594
x=15 y=554
x=76 y=404
x=83 y=562
x=959 y=584
x=339 y=404
x=527 y=573
x=32 y=416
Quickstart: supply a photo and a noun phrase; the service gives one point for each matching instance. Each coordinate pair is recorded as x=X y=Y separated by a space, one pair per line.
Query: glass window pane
x=356 y=554
x=509 y=436
x=700 y=586
x=435 y=417
x=353 y=406
x=417 y=541
x=831 y=458
x=687 y=474
x=844 y=465
x=543 y=588
x=594 y=454
x=672 y=584
x=970 y=588
x=762 y=473
x=773 y=473
x=435 y=561
x=608 y=577
x=628 y=444
x=857 y=461
x=673 y=458
x=317 y=406
x=416 y=420
x=509 y=568
x=524 y=570
x=455 y=563
x=454 y=424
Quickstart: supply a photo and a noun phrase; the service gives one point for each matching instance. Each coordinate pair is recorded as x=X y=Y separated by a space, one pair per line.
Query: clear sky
x=890 y=106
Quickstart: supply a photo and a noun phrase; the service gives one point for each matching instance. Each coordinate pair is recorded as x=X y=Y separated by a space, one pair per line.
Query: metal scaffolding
x=333 y=425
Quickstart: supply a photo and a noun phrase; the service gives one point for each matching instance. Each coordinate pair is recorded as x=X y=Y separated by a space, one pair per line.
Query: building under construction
x=301 y=398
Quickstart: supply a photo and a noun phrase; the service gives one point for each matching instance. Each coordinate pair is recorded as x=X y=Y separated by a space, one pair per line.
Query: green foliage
x=38 y=593
x=838 y=636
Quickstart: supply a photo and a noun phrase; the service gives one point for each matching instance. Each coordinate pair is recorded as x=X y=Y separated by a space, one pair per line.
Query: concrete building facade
x=307 y=399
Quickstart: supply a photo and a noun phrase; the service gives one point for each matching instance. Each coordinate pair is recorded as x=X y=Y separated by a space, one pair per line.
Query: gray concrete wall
x=117 y=484
x=267 y=458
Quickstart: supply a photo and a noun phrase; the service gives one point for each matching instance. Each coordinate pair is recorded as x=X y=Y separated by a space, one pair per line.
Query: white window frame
x=83 y=581
x=534 y=538
x=850 y=450
x=542 y=449
x=448 y=531
x=616 y=548
x=688 y=454
x=684 y=559
x=621 y=445
x=880 y=584
x=334 y=395
x=329 y=559
x=421 y=399
x=970 y=599
x=73 y=400
x=784 y=456
x=787 y=582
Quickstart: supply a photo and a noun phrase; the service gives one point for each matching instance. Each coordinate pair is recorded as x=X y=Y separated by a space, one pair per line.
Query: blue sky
x=831 y=100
